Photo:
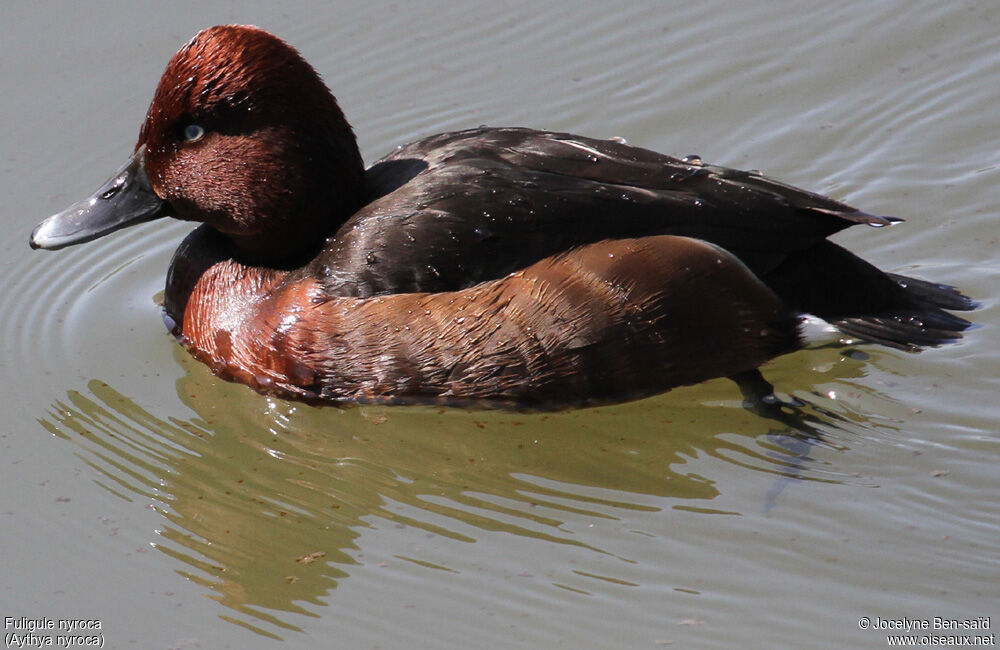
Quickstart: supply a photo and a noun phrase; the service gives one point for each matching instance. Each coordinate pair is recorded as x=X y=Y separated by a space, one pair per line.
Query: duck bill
x=125 y=200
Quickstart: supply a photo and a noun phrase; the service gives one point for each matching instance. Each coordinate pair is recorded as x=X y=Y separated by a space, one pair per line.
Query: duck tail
x=923 y=324
x=864 y=302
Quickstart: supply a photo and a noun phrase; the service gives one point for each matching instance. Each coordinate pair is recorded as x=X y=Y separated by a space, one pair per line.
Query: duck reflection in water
x=270 y=507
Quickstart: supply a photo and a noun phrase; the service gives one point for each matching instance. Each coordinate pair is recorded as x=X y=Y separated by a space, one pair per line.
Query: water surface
x=183 y=511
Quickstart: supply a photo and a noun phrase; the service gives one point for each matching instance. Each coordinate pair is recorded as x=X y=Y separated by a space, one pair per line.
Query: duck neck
x=311 y=206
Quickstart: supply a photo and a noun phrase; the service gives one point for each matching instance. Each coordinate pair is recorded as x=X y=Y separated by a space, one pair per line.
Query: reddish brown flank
x=570 y=329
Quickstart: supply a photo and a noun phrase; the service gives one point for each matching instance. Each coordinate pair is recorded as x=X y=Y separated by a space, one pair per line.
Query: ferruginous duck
x=493 y=265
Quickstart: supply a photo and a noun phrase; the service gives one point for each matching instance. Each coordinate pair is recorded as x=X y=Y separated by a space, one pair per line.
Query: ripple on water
x=69 y=301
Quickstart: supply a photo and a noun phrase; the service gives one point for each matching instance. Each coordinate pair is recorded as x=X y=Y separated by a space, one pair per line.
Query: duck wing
x=459 y=208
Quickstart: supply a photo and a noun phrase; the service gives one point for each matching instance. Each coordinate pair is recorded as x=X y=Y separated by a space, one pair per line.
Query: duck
x=493 y=265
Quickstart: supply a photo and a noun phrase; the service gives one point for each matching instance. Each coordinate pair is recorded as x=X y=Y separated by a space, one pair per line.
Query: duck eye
x=193 y=133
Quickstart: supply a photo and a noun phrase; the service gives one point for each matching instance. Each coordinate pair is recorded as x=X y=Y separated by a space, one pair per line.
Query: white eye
x=193 y=133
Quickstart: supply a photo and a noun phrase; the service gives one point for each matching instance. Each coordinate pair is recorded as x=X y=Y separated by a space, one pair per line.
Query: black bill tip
x=126 y=199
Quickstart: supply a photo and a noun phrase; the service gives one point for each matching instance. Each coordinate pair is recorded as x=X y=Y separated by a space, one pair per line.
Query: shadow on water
x=265 y=500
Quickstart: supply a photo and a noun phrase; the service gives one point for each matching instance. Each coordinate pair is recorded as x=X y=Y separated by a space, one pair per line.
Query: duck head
x=242 y=135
